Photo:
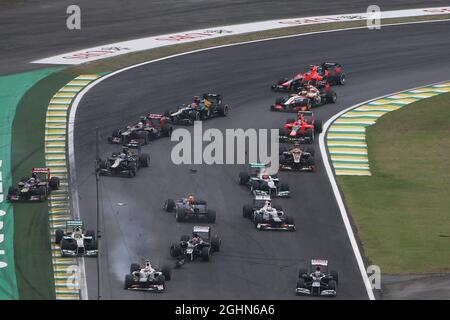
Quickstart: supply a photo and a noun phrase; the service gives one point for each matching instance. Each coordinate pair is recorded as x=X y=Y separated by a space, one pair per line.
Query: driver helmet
x=317 y=272
x=194 y=105
x=196 y=99
x=32 y=180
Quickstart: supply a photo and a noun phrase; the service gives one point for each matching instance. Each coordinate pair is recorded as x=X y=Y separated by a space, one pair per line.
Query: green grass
x=34 y=269
x=402 y=211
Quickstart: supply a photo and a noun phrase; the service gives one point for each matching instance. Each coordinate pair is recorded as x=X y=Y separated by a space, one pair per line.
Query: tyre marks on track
x=346 y=138
x=66 y=270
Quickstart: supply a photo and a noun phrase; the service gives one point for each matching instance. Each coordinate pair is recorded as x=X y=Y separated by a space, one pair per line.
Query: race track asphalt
x=31 y=30
x=251 y=264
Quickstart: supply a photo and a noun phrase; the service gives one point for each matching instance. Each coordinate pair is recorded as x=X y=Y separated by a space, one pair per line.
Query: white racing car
x=317 y=281
x=75 y=241
x=147 y=277
x=272 y=218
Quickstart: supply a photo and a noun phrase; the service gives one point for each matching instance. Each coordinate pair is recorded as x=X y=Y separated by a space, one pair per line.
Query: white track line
x=76 y=102
x=337 y=194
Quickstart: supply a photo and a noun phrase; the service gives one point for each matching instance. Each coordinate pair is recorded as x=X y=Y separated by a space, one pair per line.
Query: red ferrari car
x=301 y=130
x=331 y=72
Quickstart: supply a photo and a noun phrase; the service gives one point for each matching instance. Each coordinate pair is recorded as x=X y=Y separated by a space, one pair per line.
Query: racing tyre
x=256 y=185
x=302 y=272
x=332 y=97
x=243 y=178
x=90 y=233
x=180 y=215
x=167 y=272
x=54 y=183
x=335 y=275
x=184 y=238
x=301 y=283
x=289 y=220
x=131 y=173
x=42 y=191
x=166 y=131
x=175 y=250
x=91 y=245
x=169 y=205
x=318 y=125
x=206 y=253
x=310 y=134
x=282 y=149
x=215 y=243
x=12 y=191
x=310 y=150
x=134 y=267
x=144 y=160
x=211 y=216
x=128 y=281
x=310 y=161
x=290 y=120
x=223 y=110
x=103 y=164
x=342 y=79
x=59 y=234
x=258 y=220
x=67 y=244
x=283 y=132
x=247 y=211
x=160 y=280
x=280 y=100
x=331 y=285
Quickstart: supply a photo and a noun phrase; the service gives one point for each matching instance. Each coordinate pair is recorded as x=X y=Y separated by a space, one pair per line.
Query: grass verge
x=34 y=270
x=402 y=210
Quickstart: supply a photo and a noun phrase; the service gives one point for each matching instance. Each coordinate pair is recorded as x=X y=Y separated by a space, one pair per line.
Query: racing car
x=258 y=202
x=190 y=208
x=261 y=183
x=297 y=159
x=75 y=241
x=201 y=245
x=147 y=277
x=272 y=218
x=301 y=130
x=331 y=72
x=209 y=106
x=150 y=127
x=308 y=97
x=125 y=163
x=317 y=281
x=34 y=188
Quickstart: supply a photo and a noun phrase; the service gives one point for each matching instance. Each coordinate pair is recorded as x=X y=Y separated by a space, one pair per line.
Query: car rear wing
x=155 y=116
x=40 y=170
x=72 y=224
x=263 y=197
x=200 y=229
x=257 y=165
x=319 y=262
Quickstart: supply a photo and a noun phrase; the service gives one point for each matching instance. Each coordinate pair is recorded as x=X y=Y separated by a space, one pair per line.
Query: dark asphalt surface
x=31 y=30
x=252 y=264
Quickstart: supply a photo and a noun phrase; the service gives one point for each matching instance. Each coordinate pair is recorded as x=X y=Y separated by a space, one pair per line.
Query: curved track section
x=252 y=264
